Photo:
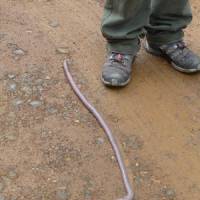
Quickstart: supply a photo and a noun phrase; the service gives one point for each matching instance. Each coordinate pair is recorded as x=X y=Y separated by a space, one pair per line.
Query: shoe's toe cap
x=115 y=79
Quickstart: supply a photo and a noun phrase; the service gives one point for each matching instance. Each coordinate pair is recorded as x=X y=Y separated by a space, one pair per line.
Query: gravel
x=19 y=52
x=2 y=197
x=54 y=24
x=100 y=141
x=17 y=102
x=62 y=194
x=2 y=186
x=11 y=76
x=12 y=87
x=62 y=50
x=35 y=104
x=169 y=193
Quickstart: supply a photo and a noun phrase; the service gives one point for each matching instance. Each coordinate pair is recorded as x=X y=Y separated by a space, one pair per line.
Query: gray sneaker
x=117 y=70
x=178 y=54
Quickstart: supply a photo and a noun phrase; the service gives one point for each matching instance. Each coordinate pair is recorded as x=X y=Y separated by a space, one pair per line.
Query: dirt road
x=50 y=146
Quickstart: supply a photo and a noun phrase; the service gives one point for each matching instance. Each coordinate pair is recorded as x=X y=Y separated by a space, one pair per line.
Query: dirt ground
x=51 y=148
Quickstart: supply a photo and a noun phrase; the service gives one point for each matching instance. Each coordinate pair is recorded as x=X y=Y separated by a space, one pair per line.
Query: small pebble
x=29 y=31
x=39 y=81
x=138 y=180
x=2 y=110
x=133 y=142
x=62 y=195
x=35 y=104
x=19 y=52
x=87 y=194
x=12 y=87
x=52 y=110
x=12 y=174
x=2 y=35
x=54 y=24
x=77 y=121
x=2 y=197
x=100 y=141
x=11 y=76
x=2 y=186
x=11 y=137
x=137 y=164
x=62 y=50
x=47 y=78
x=113 y=158
x=6 y=180
x=169 y=193
x=14 y=198
x=26 y=89
x=17 y=102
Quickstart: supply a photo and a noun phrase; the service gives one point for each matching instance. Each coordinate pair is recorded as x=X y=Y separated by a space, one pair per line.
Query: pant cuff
x=162 y=38
x=124 y=46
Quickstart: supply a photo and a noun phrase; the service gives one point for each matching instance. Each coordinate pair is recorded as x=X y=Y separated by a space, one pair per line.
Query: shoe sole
x=109 y=84
x=174 y=65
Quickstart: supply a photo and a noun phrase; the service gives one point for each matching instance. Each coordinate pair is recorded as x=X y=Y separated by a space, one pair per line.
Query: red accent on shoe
x=119 y=57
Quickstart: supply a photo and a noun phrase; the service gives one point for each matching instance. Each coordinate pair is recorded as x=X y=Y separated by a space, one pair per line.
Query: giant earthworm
x=106 y=129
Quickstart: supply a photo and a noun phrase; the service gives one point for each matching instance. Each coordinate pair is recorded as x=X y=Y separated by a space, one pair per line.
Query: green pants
x=125 y=20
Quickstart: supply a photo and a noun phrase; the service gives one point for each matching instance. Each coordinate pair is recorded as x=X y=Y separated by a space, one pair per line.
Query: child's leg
x=167 y=21
x=123 y=22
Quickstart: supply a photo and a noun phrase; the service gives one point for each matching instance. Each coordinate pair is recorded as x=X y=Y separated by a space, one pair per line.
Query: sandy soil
x=50 y=146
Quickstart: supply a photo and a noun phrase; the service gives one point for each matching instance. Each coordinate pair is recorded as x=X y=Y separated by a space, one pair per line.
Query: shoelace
x=181 y=45
x=170 y=49
x=119 y=58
